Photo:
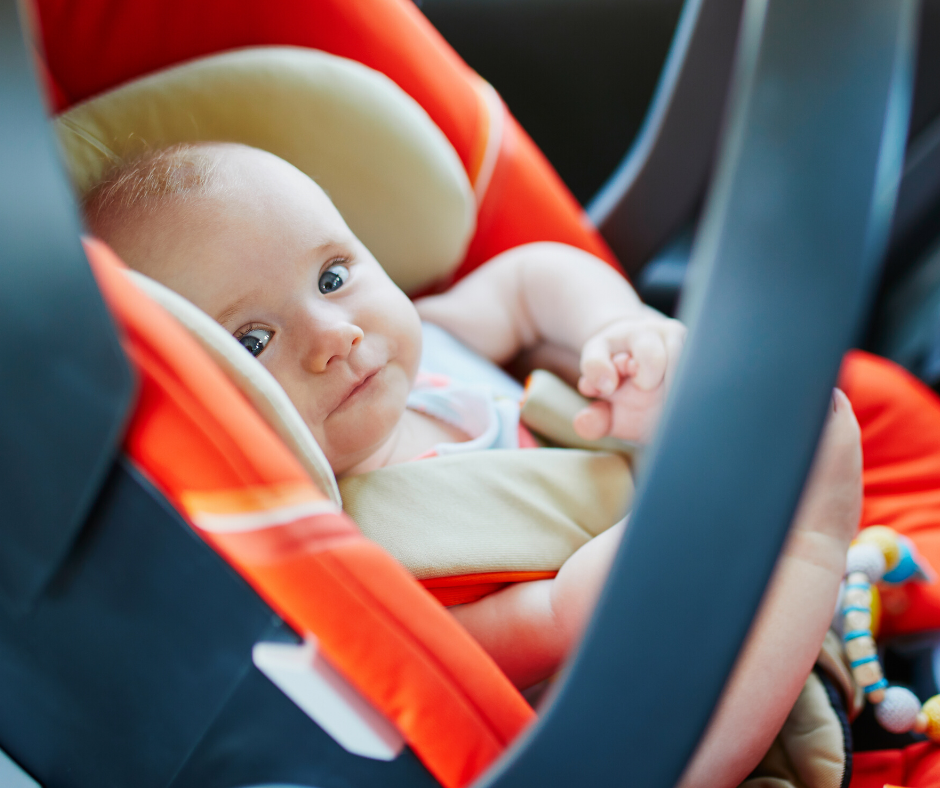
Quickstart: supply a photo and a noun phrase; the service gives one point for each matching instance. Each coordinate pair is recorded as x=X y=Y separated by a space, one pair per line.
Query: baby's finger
x=598 y=369
x=625 y=364
x=649 y=352
x=587 y=389
x=593 y=422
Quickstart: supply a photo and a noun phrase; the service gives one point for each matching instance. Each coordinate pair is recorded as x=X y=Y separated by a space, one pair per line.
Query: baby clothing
x=490 y=420
x=462 y=516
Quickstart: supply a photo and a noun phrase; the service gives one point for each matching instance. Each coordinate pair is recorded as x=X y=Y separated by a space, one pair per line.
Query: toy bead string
x=879 y=554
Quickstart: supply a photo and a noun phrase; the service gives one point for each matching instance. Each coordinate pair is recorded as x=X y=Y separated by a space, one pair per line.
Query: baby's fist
x=628 y=367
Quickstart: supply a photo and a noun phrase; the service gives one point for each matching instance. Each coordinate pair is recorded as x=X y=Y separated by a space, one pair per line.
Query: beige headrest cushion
x=392 y=173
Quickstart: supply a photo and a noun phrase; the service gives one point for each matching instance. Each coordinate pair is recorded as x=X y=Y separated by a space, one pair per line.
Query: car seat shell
x=216 y=461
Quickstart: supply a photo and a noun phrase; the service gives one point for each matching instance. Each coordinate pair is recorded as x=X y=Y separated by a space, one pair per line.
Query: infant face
x=266 y=254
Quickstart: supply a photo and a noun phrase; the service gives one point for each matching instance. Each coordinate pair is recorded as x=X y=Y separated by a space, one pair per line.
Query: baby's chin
x=361 y=448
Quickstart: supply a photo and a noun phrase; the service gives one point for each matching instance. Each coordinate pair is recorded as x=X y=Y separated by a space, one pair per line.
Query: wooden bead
x=931 y=710
x=857 y=579
x=868 y=674
x=858 y=648
x=856 y=597
x=876 y=697
x=920 y=725
x=856 y=619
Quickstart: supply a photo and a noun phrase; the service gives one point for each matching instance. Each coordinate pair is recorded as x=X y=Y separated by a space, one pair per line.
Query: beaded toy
x=879 y=554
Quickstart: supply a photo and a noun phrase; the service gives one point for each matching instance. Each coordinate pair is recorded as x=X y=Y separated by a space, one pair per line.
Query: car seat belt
x=782 y=271
x=65 y=384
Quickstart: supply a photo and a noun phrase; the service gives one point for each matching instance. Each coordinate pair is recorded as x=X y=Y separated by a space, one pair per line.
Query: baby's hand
x=831 y=504
x=628 y=368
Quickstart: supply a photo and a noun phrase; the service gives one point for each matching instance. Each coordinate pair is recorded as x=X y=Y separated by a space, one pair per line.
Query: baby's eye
x=333 y=278
x=255 y=341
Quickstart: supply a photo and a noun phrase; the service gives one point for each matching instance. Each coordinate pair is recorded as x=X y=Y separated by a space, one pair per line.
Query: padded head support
x=391 y=172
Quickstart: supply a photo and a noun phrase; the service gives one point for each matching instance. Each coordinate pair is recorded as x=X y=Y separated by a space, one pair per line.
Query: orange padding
x=461 y=589
x=917 y=766
x=96 y=45
x=900 y=422
x=205 y=447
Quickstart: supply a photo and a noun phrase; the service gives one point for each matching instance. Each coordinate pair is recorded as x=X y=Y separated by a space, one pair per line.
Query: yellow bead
x=886 y=539
x=875 y=611
x=931 y=709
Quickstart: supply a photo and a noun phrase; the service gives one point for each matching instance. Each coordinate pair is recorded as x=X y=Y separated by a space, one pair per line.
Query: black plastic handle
x=64 y=381
x=782 y=271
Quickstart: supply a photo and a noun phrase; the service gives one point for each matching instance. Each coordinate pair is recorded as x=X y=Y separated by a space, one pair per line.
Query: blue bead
x=906 y=567
x=856 y=609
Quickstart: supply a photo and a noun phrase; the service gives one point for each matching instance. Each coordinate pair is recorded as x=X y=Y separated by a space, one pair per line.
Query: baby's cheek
x=358 y=432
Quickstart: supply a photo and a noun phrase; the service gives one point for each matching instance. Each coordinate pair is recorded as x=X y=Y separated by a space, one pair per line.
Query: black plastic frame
x=65 y=383
x=789 y=207
x=782 y=273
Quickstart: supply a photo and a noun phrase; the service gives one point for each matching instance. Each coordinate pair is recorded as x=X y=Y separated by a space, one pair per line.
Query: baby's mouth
x=353 y=393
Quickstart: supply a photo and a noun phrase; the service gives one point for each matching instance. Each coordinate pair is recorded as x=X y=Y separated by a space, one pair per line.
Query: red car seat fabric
x=93 y=45
x=900 y=422
x=463 y=589
x=193 y=435
x=203 y=445
x=916 y=766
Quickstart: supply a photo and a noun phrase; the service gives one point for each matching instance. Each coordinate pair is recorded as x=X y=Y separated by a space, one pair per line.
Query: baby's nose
x=331 y=340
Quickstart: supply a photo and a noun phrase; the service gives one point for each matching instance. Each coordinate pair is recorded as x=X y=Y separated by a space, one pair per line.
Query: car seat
x=223 y=748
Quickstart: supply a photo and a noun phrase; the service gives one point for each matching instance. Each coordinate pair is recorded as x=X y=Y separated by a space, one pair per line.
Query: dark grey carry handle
x=783 y=268
x=64 y=382
x=660 y=182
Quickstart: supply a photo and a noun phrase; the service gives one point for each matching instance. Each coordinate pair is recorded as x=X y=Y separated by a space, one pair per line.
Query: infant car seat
x=211 y=718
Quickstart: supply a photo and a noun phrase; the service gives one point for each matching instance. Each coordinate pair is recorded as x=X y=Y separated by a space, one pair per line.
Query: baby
x=258 y=246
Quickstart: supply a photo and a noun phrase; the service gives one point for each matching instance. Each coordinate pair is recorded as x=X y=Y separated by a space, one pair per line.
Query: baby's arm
x=539 y=291
x=796 y=612
x=529 y=628
x=552 y=294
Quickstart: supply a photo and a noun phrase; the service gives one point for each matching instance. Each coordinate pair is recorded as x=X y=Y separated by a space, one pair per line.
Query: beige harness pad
x=500 y=510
